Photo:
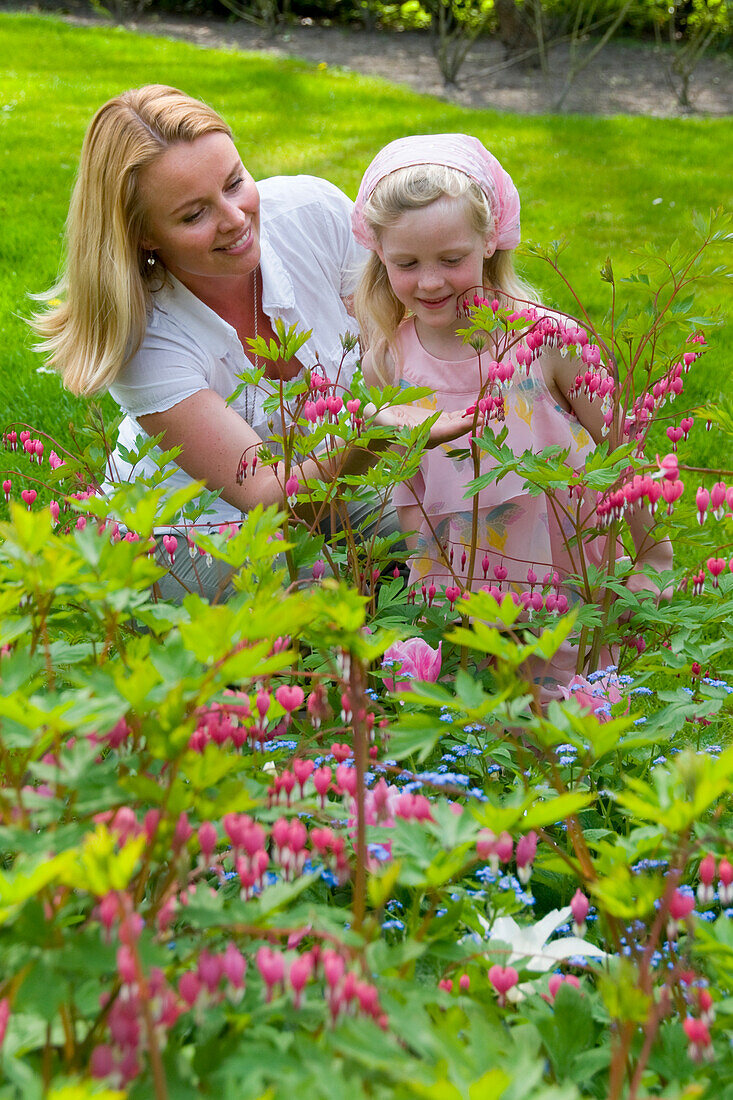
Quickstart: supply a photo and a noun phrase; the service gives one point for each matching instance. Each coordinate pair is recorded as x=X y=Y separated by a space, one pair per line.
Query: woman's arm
x=213 y=437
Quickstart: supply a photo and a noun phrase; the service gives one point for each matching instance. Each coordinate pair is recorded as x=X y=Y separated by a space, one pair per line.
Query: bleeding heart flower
x=290 y=697
x=503 y=978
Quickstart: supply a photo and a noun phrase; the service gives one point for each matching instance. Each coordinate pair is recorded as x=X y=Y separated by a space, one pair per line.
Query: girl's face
x=433 y=255
x=202 y=211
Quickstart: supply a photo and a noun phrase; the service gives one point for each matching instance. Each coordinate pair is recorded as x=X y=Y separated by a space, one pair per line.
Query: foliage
x=455 y=26
x=243 y=856
x=692 y=28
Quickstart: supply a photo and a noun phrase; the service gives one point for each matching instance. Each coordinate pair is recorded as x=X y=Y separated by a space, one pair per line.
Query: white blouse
x=310 y=262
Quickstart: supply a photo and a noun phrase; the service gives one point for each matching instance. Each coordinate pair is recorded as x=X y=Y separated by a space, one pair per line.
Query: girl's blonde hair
x=378 y=309
x=104 y=293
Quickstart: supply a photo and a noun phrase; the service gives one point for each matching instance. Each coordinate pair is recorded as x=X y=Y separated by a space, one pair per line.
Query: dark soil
x=624 y=78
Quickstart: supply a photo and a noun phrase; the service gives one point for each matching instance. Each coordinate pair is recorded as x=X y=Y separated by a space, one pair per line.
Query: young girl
x=441 y=218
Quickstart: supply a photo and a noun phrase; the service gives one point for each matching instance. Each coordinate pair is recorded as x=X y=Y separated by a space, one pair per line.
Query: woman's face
x=202 y=211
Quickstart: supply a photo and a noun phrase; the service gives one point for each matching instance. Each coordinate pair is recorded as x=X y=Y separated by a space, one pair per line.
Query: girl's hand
x=447 y=427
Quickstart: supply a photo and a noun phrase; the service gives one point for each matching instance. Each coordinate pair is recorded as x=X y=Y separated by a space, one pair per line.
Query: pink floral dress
x=516 y=530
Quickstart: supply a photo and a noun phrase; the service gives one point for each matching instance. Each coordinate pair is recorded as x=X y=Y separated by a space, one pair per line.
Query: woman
x=175 y=258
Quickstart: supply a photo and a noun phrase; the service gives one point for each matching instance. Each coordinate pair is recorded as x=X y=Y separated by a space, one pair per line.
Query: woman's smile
x=241 y=244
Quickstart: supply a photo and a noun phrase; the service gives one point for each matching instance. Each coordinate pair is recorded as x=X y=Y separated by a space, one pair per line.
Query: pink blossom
x=101 y=1063
x=705 y=888
x=561 y=979
x=182 y=831
x=333 y=967
x=681 y=905
x=290 y=697
x=700 y=1044
x=126 y=965
x=170 y=545
x=503 y=978
x=302 y=770
x=417 y=660
x=189 y=988
x=292 y=486
x=300 y=972
x=322 y=780
x=494 y=849
x=525 y=853
x=702 y=499
x=579 y=907
x=715 y=568
x=271 y=966
x=234 y=965
x=210 y=970
x=669 y=467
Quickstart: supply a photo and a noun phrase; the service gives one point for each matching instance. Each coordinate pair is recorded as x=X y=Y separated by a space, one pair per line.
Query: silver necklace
x=254 y=283
x=257 y=358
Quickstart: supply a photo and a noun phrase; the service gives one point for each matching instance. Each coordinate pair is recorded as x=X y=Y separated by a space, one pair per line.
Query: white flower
x=530 y=941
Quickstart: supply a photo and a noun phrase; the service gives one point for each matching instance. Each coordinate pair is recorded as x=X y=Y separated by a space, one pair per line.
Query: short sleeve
x=313 y=216
x=164 y=371
x=350 y=254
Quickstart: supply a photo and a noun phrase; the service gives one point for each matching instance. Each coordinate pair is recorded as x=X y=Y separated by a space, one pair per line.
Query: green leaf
x=414 y=733
x=21 y=883
x=569 y=1032
x=558 y=808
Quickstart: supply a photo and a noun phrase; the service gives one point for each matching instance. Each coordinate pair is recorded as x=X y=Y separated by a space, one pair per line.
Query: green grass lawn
x=595 y=180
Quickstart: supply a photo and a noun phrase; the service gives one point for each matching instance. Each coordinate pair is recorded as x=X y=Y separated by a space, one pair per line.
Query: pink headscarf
x=460 y=151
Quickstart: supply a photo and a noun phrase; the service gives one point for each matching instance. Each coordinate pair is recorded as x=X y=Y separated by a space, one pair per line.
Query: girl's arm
x=560 y=377
x=372 y=375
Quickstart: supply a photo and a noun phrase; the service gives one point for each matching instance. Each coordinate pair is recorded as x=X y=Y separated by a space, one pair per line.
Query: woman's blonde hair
x=99 y=319
x=378 y=310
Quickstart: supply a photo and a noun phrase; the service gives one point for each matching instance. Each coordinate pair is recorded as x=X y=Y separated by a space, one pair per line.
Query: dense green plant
x=321 y=838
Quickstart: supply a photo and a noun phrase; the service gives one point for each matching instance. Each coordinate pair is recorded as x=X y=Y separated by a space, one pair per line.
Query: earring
x=151 y=260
